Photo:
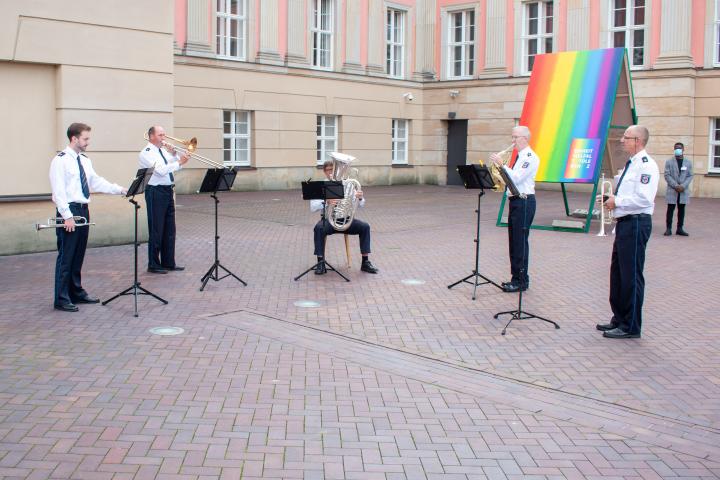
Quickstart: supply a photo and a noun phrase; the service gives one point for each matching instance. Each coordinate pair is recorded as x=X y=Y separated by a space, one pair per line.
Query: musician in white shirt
x=522 y=170
x=72 y=178
x=160 y=201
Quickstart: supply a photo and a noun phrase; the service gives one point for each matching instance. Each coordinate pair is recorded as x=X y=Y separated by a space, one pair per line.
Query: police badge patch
x=526 y=164
x=645 y=179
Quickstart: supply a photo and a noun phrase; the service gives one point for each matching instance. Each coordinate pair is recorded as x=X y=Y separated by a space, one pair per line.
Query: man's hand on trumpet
x=610 y=202
x=70 y=225
x=495 y=158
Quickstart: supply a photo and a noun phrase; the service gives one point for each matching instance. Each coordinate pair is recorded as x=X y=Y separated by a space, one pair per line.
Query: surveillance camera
x=408 y=96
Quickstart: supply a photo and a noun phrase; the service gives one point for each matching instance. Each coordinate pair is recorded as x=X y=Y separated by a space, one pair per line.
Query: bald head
x=642 y=134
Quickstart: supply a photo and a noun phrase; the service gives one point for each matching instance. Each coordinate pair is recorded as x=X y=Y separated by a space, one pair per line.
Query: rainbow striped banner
x=568 y=108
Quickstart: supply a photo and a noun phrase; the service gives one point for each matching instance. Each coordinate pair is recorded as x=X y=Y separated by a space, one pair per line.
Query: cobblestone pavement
x=382 y=380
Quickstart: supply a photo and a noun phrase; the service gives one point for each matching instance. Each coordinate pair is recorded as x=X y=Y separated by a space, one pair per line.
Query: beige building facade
x=271 y=86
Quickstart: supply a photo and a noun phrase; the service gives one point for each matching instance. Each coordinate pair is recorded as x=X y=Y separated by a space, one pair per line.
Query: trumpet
x=59 y=222
x=188 y=148
x=606 y=215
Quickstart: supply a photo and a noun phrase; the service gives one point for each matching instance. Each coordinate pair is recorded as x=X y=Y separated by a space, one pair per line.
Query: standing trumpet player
x=160 y=201
x=633 y=203
x=72 y=177
x=522 y=170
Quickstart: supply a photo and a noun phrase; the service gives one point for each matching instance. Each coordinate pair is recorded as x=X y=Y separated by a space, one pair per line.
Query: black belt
x=78 y=205
x=634 y=215
x=172 y=185
x=518 y=197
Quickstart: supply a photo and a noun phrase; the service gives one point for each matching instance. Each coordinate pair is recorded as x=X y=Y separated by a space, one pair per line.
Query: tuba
x=340 y=215
x=499 y=175
x=606 y=215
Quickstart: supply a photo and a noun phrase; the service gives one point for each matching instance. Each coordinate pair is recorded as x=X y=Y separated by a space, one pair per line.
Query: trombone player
x=522 y=170
x=160 y=200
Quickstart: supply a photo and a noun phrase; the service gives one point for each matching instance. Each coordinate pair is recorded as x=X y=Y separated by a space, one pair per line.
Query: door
x=457 y=149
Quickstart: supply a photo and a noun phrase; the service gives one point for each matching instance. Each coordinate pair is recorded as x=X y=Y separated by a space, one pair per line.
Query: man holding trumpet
x=159 y=199
x=72 y=177
x=632 y=203
x=522 y=170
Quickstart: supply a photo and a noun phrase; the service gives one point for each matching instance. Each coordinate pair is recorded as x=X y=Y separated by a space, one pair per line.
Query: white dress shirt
x=150 y=157
x=638 y=187
x=524 y=171
x=66 y=184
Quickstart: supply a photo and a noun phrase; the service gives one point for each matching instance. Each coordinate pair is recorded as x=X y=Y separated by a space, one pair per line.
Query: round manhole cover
x=165 y=331
x=306 y=303
x=413 y=281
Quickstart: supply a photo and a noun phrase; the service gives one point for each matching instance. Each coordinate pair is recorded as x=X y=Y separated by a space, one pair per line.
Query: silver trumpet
x=59 y=222
x=606 y=215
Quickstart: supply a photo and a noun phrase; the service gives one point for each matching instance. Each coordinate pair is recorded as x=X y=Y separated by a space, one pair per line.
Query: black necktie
x=172 y=178
x=83 y=179
x=627 y=165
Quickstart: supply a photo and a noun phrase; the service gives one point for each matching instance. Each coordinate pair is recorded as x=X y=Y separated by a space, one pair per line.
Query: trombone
x=188 y=148
x=606 y=215
x=59 y=222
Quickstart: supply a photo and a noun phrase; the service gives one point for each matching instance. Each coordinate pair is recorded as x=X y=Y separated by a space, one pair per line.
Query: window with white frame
x=236 y=138
x=231 y=28
x=714 y=163
x=716 y=54
x=399 y=141
x=322 y=33
x=326 y=137
x=395 y=42
x=537 y=32
x=627 y=29
x=461 y=44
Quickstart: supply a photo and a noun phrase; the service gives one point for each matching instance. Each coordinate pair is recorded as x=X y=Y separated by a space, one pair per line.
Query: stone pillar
x=297 y=33
x=675 y=22
x=198 y=33
x=495 y=60
x=269 y=21
x=353 y=37
x=424 y=41
x=376 y=37
x=578 y=25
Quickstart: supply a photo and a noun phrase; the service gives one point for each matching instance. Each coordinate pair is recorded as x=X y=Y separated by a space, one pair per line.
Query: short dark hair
x=679 y=144
x=75 y=129
x=328 y=163
x=151 y=131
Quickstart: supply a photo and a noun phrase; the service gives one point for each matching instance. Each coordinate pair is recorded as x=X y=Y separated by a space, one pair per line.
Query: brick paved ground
x=382 y=380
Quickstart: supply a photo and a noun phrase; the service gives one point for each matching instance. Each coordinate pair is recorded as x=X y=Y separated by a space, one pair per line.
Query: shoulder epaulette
x=147 y=149
x=61 y=154
x=529 y=154
x=645 y=159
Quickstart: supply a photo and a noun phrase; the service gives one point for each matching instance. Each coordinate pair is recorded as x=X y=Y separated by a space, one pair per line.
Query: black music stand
x=218 y=180
x=519 y=313
x=323 y=190
x=476 y=177
x=137 y=187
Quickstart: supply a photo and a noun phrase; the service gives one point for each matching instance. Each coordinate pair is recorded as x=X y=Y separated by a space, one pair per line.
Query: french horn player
x=521 y=170
x=340 y=213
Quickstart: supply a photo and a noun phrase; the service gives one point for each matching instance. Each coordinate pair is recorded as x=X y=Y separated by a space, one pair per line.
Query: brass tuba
x=606 y=215
x=499 y=175
x=340 y=214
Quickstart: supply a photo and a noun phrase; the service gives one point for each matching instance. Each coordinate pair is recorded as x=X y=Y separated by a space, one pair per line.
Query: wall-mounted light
x=408 y=96
x=454 y=93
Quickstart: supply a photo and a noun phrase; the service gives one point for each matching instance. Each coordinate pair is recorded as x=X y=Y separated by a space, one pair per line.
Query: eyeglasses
x=517 y=136
x=629 y=138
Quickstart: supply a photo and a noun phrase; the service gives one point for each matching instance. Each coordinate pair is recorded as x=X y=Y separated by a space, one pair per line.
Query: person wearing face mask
x=678 y=175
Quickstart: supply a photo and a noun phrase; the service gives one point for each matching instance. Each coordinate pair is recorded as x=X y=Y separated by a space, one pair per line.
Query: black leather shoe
x=156 y=270
x=320 y=269
x=67 y=307
x=513 y=287
x=618 y=333
x=86 y=299
x=668 y=232
x=682 y=233
x=176 y=268
x=604 y=327
x=368 y=267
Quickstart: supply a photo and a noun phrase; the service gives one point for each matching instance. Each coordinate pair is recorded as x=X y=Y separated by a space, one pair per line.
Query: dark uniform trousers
x=522 y=213
x=627 y=283
x=161 y=226
x=357 y=227
x=71 y=254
